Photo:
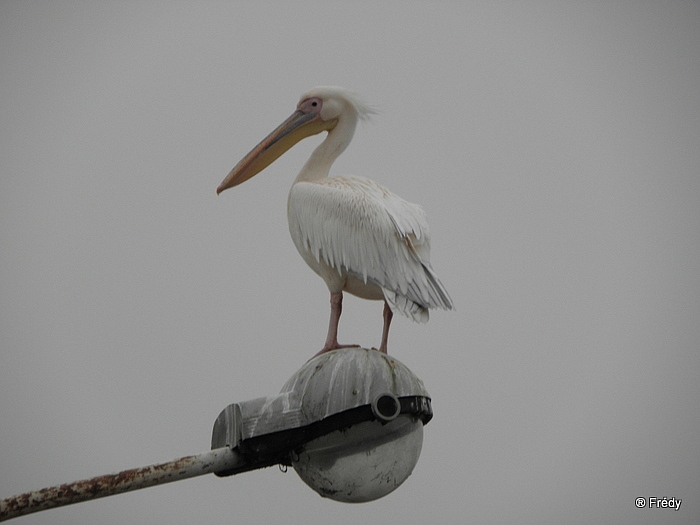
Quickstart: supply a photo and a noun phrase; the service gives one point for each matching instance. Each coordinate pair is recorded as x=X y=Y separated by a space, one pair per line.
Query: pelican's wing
x=356 y=225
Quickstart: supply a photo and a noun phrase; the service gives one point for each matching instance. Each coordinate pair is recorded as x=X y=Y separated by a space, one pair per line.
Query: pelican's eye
x=309 y=105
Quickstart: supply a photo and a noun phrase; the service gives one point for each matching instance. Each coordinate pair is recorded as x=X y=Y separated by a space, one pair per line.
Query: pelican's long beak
x=298 y=126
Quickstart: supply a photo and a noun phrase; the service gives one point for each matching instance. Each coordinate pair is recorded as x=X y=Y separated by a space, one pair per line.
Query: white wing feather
x=357 y=226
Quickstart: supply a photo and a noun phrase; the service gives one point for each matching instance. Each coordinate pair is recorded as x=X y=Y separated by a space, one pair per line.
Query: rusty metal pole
x=220 y=459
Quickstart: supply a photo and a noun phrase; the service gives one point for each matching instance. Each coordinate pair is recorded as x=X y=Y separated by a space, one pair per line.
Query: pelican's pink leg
x=387 y=314
x=332 y=337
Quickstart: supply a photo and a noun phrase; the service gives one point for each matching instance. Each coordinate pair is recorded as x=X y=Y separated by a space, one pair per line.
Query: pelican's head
x=319 y=109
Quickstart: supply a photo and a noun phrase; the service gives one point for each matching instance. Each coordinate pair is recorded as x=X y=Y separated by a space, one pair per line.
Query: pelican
x=356 y=235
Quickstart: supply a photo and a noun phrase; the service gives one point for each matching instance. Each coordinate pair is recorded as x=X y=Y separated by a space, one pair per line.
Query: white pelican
x=358 y=236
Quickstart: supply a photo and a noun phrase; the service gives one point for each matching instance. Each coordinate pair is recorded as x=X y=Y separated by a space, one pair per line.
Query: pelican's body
x=358 y=236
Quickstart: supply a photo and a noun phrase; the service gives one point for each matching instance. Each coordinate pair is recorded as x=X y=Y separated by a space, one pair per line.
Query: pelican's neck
x=319 y=164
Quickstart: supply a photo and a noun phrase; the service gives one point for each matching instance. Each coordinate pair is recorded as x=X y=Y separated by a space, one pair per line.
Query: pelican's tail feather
x=411 y=309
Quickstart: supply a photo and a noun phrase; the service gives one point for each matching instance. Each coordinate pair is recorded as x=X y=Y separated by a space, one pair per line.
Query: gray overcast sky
x=555 y=148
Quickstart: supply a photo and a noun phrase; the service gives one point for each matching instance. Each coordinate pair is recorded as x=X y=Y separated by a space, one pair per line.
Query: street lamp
x=350 y=423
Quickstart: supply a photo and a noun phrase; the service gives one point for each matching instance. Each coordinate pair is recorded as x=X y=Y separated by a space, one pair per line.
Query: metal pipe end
x=386 y=407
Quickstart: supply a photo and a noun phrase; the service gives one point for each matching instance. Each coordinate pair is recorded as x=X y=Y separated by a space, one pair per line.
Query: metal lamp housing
x=349 y=421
